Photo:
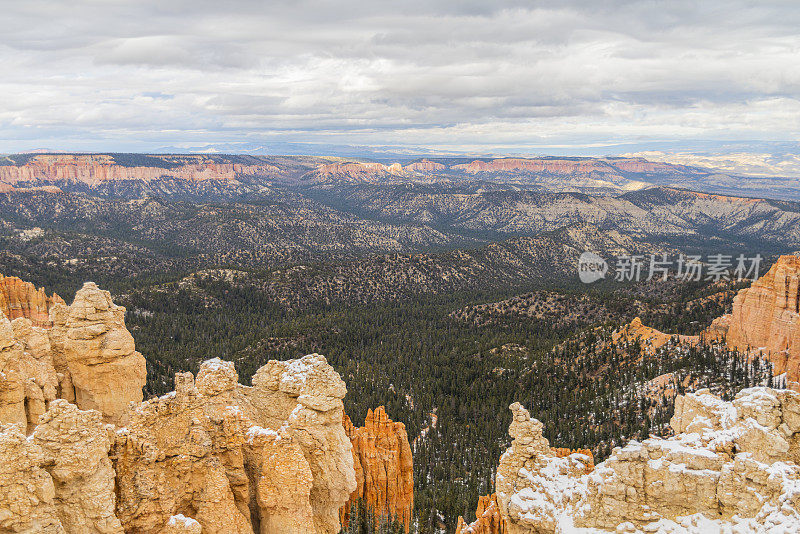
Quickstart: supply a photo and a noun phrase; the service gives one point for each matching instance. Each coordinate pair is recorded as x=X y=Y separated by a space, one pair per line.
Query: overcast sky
x=451 y=76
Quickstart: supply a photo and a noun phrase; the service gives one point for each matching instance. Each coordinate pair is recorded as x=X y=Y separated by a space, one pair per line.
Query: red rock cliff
x=384 y=468
x=21 y=299
x=425 y=166
x=554 y=166
x=766 y=319
x=93 y=169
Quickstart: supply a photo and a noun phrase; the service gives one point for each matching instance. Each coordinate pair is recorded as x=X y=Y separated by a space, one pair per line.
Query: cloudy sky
x=588 y=76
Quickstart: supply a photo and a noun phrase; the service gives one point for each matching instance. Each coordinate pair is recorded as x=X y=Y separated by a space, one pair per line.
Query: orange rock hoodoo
x=488 y=519
x=766 y=319
x=21 y=299
x=384 y=468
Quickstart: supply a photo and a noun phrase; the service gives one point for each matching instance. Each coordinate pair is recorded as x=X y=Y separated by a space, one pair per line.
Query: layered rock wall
x=766 y=319
x=93 y=169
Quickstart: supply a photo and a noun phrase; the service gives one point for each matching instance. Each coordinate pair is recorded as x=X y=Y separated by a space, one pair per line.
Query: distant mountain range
x=217 y=176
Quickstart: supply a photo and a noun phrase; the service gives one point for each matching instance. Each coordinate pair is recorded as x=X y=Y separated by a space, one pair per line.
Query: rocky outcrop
x=272 y=458
x=59 y=480
x=213 y=456
x=88 y=358
x=383 y=467
x=75 y=445
x=181 y=454
x=27 y=492
x=649 y=338
x=305 y=396
x=22 y=299
x=533 y=484
x=190 y=461
x=425 y=166
x=95 y=354
x=28 y=380
x=766 y=319
x=358 y=171
x=487 y=518
x=731 y=466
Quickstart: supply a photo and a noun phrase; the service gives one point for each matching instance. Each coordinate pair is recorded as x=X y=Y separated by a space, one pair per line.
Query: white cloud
x=123 y=73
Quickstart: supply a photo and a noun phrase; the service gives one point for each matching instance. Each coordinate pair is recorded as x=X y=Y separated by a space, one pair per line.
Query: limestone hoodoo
x=731 y=466
x=21 y=299
x=487 y=518
x=384 y=468
x=95 y=354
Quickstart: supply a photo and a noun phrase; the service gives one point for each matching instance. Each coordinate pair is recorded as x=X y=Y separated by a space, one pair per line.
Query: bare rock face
x=305 y=396
x=75 y=447
x=28 y=380
x=369 y=171
x=93 y=169
x=22 y=299
x=26 y=489
x=87 y=357
x=281 y=482
x=181 y=454
x=60 y=480
x=488 y=519
x=95 y=354
x=238 y=459
x=732 y=466
x=12 y=383
x=384 y=467
x=425 y=166
x=766 y=319
x=213 y=456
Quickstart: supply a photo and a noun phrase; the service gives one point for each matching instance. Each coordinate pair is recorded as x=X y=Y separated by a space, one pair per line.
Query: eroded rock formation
x=306 y=395
x=190 y=461
x=213 y=456
x=87 y=357
x=383 y=467
x=271 y=458
x=95 y=354
x=21 y=299
x=533 y=484
x=766 y=319
x=28 y=380
x=731 y=465
x=649 y=338
x=487 y=518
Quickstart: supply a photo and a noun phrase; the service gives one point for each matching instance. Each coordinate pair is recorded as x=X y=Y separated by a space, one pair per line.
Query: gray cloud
x=123 y=74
